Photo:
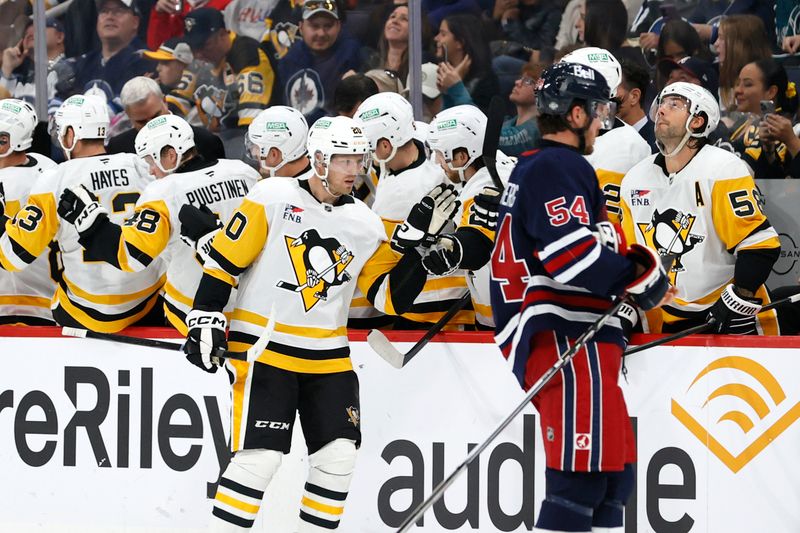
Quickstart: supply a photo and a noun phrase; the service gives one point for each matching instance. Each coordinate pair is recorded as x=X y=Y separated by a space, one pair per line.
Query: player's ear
x=274 y=157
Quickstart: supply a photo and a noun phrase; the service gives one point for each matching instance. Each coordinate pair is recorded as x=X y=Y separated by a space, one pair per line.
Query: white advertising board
x=105 y=437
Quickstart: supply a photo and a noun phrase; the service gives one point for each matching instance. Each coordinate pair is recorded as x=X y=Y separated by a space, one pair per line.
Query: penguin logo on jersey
x=353 y=416
x=669 y=232
x=318 y=263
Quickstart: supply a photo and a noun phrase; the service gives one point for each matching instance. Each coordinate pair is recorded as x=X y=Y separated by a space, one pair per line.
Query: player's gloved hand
x=426 y=219
x=628 y=318
x=651 y=283
x=611 y=236
x=198 y=228
x=79 y=206
x=735 y=314
x=484 y=210
x=206 y=338
x=444 y=257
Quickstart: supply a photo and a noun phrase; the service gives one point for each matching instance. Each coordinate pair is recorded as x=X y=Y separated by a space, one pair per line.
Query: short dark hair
x=635 y=76
x=549 y=124
x=351 y=91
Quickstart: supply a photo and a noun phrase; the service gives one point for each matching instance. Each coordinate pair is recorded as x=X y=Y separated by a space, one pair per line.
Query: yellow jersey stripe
x=241 y=368
x=299 y=331
x=321 y=507
x=114 y=299
x=305 y=366
x=177 y=295
x=111 y=326
x=32 y=301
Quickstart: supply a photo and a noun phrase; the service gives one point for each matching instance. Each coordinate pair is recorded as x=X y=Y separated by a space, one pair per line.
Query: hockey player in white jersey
x=456 y=138
x=405 y=176
x=299 y=247
x=90 y=294
x=701 y=204
x=183 y=203
x=276 y=139
x=619 y=146
x=25 y=295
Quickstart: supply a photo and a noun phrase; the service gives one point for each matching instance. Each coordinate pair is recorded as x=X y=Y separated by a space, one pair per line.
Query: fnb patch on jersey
x=640 y=197
x=292 y=213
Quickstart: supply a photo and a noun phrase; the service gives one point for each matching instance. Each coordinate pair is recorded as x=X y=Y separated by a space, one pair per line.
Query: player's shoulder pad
x=643 y=170
x=275 y=190
x=237 y=167
x=42 y=161
x=371 y=220
x=243 y=53
x=715 y=164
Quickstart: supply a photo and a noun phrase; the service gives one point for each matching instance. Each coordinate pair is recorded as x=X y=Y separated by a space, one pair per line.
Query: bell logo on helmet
x=583 y=72
x=368 y=115
x=276 y=126
x=447 y=124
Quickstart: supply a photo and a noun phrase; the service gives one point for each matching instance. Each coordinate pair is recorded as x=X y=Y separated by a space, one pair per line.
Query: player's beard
x=670 y=135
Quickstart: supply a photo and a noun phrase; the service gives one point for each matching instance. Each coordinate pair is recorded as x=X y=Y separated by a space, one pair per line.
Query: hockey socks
x=241 y=489
x=331 y=469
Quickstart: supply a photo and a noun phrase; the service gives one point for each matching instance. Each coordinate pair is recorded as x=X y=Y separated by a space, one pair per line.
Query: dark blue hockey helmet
x=563 y=83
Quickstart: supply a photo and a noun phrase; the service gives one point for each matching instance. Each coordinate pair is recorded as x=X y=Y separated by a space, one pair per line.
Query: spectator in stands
x=520 y=132
x=764 y=137
x=465 y=74
x=431 y=95
x=690 y=69
x=166 y=17
x=605 y=26
x=438 y=10
x=144 y=101
x=18 y=75
x=174 y=58
x=117 y=60
x=351 y=91
x=392 y=53
x=241 y=80
x=274 y=24
x=741 y=40
x=630 y=97
x=678 y=39
x=570 y=30
x=309 y=72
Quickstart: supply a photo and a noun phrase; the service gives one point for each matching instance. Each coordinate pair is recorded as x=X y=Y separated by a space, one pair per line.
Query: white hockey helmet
x=163 y=131
x=602 y=61
x=700 y=100
x=386 y=116
x=331 y=136
x=462 y=126
x=87 y=115
x=17 y=120
x=281 y=127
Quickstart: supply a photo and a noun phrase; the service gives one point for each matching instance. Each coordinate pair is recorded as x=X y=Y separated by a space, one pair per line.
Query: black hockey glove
x=426 y=219
x=198 y=227
x=444 y=257
x=206 y=338
x=652 y=283
x=735 y=314
x=628 y=319
x=484 y=210
x=79 y=206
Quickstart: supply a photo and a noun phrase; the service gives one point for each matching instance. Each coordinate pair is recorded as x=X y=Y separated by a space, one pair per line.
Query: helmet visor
x=253 y=152
x=604 y=111
x=350 y=163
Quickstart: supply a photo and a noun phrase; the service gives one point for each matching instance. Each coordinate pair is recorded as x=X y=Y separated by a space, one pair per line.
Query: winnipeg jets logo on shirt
x=319 y=263
x=670 y=232
x=304 y=91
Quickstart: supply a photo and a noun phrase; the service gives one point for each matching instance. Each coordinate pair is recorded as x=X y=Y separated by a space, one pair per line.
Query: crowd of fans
x=219 y=62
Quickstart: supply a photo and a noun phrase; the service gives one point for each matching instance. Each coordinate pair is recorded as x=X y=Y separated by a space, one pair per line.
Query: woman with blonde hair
x=741 y=40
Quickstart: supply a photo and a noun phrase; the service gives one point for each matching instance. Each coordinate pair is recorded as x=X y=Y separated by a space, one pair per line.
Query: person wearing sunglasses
x=700 y=203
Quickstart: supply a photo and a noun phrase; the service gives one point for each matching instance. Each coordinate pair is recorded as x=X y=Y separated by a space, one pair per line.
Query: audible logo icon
x=736 y=408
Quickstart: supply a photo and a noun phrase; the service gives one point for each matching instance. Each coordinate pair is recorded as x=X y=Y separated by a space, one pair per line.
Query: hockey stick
x=251 y=354
x=298 y=288
x=383 y=346
x=704 y=327
x=491 y=139
x=563 y=360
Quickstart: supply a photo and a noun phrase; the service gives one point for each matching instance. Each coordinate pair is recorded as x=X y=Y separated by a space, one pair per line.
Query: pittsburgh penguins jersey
x=395 y=195
x=26 y=293
x=154 y=229
x=297 y=262
x=90 y=293
x=232 y=93
x=615 y=152
x=478 y=280
x=705 y=214
x=549 y=272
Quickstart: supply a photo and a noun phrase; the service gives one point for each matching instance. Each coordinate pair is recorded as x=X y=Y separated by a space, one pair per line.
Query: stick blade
x=287 y=285
x=383 y=347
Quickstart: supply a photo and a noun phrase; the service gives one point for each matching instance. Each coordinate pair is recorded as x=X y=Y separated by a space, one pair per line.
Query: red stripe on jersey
x=571 y=300
x=570 y=254
x=529 y=152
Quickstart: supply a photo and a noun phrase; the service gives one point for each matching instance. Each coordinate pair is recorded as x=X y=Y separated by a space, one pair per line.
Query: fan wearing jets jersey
x=183 y=203
x=25 y=295
x=618 y=146
x=297 y=249
x=405 y=176
x=276 y=140
x=91 y=294
x=701 y=204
